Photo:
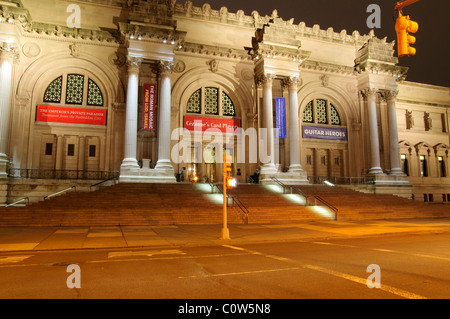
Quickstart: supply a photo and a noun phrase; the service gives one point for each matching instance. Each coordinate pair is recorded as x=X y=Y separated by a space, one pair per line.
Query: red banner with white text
x=70 y=115
x=148 y=110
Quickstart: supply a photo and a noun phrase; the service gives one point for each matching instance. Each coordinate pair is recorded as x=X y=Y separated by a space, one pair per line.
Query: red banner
x=196 y=123
x=70 y=115
x=149 y=112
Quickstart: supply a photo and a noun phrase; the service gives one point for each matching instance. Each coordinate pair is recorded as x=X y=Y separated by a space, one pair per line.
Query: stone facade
x=218 y=65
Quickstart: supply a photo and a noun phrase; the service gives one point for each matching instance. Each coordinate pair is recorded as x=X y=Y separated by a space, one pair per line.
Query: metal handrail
x=60 y=192
x=19 y=201
x=242 y=207
x=299 y=191
x=106 y=180
x=276 y=180
x=330 y=206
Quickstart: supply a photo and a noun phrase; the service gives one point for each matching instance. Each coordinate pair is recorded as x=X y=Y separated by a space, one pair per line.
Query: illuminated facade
x=79 y=99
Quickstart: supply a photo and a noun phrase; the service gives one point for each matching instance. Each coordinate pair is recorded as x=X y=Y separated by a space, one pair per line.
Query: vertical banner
x=148 y=111
x=280 y=103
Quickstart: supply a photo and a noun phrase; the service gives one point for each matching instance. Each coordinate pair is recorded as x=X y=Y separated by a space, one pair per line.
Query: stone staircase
x=195 y=204
x=354 y=205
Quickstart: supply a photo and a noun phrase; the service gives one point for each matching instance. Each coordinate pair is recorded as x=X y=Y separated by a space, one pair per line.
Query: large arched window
x=211 y=101
x=320 y=111
x=74 y=89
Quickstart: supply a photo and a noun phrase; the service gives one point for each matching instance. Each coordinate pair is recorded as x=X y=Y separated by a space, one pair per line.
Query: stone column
x=294 y=131
x=7 y=54
x=131 y=120
x=394 y=150
x=371 y=97
x=164 y=162
x=268 y=143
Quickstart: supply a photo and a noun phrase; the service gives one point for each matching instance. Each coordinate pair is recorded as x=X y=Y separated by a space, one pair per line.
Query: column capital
x=368 y=93
x=266 y=78
x=291 y=82
x=8 y=51
x=166 y=67
x=389 y=95
x=134 y=63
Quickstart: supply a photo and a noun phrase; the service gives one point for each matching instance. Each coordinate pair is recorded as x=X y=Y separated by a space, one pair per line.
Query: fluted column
x=294 y=130
x=371 y=98
x=394 y=149
x=164 y=162
x=268 y=144
x=7 y=54
x=131 y=121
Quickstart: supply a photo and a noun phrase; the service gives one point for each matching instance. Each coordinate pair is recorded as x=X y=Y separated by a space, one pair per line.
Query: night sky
x=430 y=65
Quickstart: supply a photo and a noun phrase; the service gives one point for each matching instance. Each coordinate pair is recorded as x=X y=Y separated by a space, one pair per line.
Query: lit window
x=74 y=91
x=321 y=111
x=308 y=114
x=95 y=96
x=211 y=101
x=194 y=104
x=423 y=166
x=228 y=105
x=335 y=119
x=54 y=90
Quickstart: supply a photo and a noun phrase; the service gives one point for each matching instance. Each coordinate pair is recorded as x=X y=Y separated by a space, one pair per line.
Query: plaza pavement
x=74 y=238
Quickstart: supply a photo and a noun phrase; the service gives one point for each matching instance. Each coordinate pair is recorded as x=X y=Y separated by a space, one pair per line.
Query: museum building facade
x=158 y=90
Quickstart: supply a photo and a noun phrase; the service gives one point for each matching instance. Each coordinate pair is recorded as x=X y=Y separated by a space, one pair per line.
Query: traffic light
x=231 y=182
x=404 y=26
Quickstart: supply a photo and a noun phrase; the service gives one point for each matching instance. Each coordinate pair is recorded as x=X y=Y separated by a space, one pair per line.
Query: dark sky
x=430 y=65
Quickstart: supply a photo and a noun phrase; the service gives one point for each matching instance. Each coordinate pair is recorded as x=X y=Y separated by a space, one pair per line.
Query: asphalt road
x=410 y=267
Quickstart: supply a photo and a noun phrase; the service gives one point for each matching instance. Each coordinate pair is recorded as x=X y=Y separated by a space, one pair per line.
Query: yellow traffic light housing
x=230 y=182
x=404 y=26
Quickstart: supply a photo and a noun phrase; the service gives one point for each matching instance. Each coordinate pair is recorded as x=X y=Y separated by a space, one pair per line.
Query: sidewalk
x=59 y=238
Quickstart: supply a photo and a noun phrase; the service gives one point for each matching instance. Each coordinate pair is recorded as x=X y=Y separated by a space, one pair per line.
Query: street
x=411 y=266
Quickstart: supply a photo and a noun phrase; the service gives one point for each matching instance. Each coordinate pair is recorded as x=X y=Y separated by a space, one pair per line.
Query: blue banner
x=280 y=103
x=325 y=133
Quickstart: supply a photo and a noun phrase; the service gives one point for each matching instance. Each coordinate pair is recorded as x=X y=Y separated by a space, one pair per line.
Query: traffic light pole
x=225 y=230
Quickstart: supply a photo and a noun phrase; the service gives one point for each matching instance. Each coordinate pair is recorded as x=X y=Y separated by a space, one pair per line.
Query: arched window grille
x=211 y=101
x=78 y=90
x=321 y=111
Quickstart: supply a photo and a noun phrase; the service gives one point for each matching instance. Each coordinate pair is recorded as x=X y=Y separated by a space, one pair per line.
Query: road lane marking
x=384 y=287
x=279 y=258
x=385 y=250
x=13 y=259
x=240 y=273
x=148 y=253
x=363 y=281
x=332 y=244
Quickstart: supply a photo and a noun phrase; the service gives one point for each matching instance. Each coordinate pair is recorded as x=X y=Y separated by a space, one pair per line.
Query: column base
x=129 y=163
x=164 y=165
x=268 y=169
x=396 y=172
x=287 y=178
x=296 y=168
x=146 y=175
x=376 y=171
